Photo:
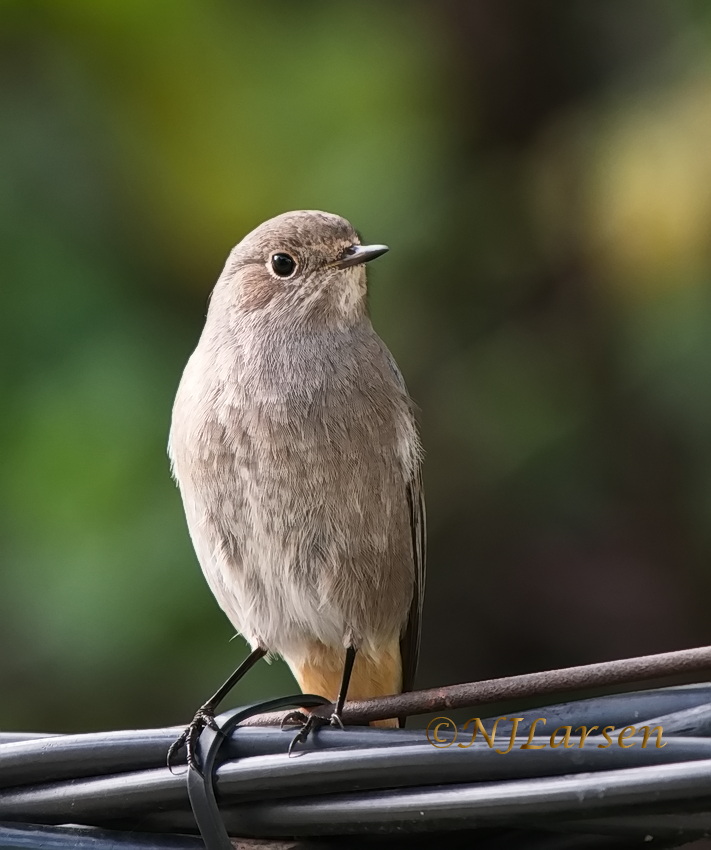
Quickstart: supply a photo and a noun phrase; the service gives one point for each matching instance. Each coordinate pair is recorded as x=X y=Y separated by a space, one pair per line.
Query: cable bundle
x=366 y=785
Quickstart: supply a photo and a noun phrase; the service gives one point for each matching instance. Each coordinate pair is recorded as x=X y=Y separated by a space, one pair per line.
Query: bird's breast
x=295 y=492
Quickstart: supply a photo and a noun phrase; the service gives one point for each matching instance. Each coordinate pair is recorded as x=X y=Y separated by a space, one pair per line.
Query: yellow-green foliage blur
x=542 y=174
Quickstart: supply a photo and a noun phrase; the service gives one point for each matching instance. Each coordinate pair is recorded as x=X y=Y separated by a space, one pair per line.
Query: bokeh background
x=542 y=173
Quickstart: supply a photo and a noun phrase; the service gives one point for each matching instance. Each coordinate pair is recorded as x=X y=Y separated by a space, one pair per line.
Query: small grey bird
x=295 y=447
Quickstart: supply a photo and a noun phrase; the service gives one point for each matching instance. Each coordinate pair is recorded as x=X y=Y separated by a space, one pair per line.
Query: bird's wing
x=410 y=642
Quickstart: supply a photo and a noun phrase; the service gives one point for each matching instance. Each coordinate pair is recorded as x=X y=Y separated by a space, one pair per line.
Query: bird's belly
x=309 y=549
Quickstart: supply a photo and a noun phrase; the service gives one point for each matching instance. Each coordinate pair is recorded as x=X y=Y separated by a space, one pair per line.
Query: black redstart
x=294 y=444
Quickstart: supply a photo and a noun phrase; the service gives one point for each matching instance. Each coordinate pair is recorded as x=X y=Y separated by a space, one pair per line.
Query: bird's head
x=304 y=266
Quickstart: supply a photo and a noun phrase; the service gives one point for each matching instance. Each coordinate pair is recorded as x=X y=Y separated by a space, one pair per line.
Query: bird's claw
x=299 y=717
x=336 y=721
x=188 y=738
x=309 y=723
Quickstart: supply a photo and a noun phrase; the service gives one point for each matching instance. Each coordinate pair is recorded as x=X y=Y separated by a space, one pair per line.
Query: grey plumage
x=294 y=444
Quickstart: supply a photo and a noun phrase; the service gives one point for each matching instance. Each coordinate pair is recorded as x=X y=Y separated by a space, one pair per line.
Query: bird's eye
x=283 y=264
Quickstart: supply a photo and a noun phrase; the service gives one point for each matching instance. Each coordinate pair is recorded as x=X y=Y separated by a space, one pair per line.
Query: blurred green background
x=542 y=173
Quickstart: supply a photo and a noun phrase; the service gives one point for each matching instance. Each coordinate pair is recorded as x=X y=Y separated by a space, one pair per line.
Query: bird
x=295 y=447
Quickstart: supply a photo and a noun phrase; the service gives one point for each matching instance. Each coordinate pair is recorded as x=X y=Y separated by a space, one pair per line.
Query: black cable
x=54 y=757
x=40 y=837
x=59 y=757
x=201 y=779
x=65 y=756
x=621 y=709
x=522 y=802
x=103 y=799
x=368 y=781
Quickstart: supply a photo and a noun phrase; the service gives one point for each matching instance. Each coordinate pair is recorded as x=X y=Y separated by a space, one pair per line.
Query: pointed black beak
x=357 y=254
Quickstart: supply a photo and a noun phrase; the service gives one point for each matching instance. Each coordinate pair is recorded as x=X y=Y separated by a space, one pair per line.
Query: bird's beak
x=357 y=254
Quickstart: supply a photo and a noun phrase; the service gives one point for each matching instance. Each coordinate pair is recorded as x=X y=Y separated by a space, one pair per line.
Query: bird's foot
x=309 y=723
x=204 y=716
x=298 y=717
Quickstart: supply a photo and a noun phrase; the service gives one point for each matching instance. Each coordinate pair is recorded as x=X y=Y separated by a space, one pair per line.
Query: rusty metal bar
x=689 y=664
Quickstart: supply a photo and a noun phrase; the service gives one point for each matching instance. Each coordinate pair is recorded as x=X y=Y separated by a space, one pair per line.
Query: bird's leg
x=313 y=720
x=205 y=715
x=345 y=681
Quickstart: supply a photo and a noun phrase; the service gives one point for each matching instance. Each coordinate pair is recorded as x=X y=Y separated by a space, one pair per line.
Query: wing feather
x=414 y=492
x=410 y=642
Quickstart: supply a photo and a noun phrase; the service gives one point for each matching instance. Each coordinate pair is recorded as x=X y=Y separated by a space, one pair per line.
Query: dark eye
x=283 y=264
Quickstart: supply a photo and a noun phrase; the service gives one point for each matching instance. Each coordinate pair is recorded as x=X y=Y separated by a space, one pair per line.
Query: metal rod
x=687 y=663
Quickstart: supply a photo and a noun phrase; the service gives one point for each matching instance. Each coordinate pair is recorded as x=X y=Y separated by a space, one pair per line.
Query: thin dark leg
x=345 y=681
x=205 y=715
x=313 y=720
x=249 y=662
